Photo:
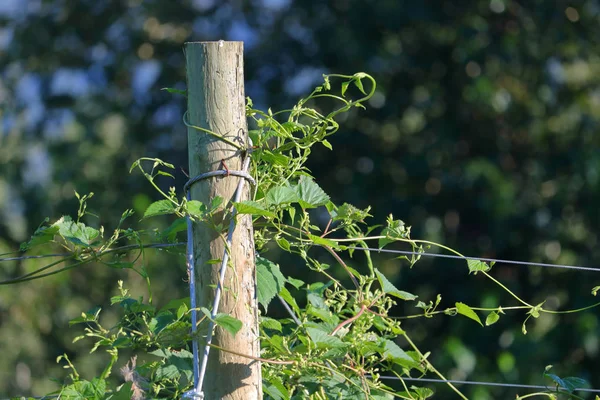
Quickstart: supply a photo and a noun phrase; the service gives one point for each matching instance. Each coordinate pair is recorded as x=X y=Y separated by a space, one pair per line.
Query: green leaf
x=175 y=91
x=292 y=126
x=468 y=312
x=276 y=159
x=327 y=144
x=41 y=235
x=323 y=314
x=174 y=304
x=283 y=243
x=595 y=290
x=124 y=392
x=254 y=208
x=270 y=281
x=196 y=208
x=169 y=234
x=90 y=316
x=535 y=311
x=85 y=390
x=167 y=371
x=270 y=323
x=394 y=230
x=160 y=207
x=297 y=283
x=281 y=195
x=322 y=241
x=229 y=323
x=323 y=340
x=359 y=85
x=390 y=289
x=345 y=87
x=492 y=318
x=477 y=265
x=393 y=352
x=288 y=298
x=311 y=195
x=76 y=232
x=182 y=310
x=348 y=212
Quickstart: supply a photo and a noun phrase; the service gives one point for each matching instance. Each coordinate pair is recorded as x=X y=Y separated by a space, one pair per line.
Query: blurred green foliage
x=483 y=135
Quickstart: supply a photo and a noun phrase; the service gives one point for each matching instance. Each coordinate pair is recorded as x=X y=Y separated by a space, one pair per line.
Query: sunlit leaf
x=477 y=265
x=324 y=340
x=281 y=195
x=468 y=312
x=492 y=318
x=270 y=281
x=390 y=289
x=229 y=323
x=254 y=208
x=160 y=207
x=76 y=232
x=311 y=195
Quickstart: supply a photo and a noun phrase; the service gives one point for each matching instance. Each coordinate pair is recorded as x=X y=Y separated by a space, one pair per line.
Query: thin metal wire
x=111 y=250
x=495 y=260
x=496 y=384
x=220 y=172
x=200 y=371
x=189 y=256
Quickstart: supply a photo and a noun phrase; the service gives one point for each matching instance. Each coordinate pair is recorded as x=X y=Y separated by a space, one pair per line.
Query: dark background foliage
x=482 y=135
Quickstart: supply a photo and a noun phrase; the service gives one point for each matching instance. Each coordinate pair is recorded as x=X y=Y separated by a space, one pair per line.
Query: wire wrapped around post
x=200 y=370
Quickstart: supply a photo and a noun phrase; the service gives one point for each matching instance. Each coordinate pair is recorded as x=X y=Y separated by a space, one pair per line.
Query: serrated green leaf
x=492 y=318
x=393 y=352
x=395 y=229
x=254 y=208
x=323 y=340
x=167 y=372
x=76 y=232
x=422 y=393
x=229 y=323
x=270 y=323
x=322 y=313
x=196 y=209
x=292 y=126
x=390 y=289
x=468 y=312
x=276 y=389
x=311 y=195
x=348 y=212
x=477 y=265
x=270 y=281
x=160 y=207
x=281 y=195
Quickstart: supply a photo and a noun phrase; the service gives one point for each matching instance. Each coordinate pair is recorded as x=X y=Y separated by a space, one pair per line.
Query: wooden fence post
x=216 y=102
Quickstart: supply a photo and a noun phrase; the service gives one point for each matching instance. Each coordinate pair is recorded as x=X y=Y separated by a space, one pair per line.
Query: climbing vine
x=342 y=339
